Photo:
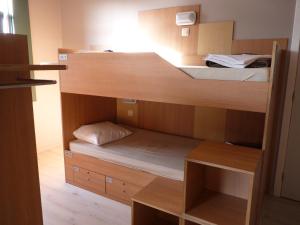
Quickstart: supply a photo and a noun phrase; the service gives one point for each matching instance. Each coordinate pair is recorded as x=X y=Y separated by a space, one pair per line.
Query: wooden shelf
x=163 y=194
x=25 y=83
x=217 y=208
x=225 y=156
x=26 y=67
x=145 y=215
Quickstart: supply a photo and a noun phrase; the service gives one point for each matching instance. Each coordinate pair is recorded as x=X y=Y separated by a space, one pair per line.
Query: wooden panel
x=245 y=128
x=194 y=184
x=210 y=124
x=89 y=180
x=132 y=176
x=227 y=182
x=79 y=110
x=193 y=60
x=127 y=113
x=218 y=208
x=144 y=215
x=215 y=38
x=279 y=93
x=159 y=25
x=145 y=76
x=225 y=156
x=253 y=212
x=69 y=176
x=163 y=194
x=168 y=118
x=270 y=133
x=20 y=192
x=194 y=122
x=121 y=189
x=259 y=46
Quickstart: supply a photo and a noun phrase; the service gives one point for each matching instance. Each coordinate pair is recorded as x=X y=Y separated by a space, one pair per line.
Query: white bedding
x=209 y=73
x=153 y=152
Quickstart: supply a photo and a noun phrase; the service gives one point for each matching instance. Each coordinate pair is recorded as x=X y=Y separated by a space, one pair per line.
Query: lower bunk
x=170 y=179
x=121 y=169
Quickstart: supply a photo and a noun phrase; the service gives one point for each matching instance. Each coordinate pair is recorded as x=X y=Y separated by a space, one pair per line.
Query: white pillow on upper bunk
x=101 y=133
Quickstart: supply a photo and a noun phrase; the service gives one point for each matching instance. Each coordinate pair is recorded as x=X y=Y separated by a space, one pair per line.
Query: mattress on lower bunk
x=153 y=152
x=209 y=73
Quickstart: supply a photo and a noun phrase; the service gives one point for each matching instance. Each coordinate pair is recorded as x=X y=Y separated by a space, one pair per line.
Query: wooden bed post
x=268 y=131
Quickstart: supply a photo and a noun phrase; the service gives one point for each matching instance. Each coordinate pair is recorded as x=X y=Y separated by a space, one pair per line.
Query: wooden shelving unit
x=220 y=188
x=220 y=184
x=161 y=202
x=217 y=208
x=226 y=156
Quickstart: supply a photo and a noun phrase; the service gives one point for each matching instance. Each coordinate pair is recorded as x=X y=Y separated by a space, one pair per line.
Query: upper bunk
x=148 y=77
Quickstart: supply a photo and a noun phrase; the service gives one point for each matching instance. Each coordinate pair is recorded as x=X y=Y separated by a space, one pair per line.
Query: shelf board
x=163 y=194
x=26 y=83
x=226 y=156
x=27 y=67
x=217 y=208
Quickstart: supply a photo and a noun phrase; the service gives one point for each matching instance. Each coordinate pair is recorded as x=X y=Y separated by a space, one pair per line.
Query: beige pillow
x=101 y=133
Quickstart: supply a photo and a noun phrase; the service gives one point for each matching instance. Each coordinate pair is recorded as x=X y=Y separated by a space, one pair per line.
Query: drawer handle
x=124 y=191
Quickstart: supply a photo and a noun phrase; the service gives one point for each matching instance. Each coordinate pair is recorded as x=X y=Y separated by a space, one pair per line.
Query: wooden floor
x=64 y=204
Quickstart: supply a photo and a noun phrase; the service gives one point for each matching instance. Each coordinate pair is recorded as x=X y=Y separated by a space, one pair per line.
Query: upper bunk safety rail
x=148 y=77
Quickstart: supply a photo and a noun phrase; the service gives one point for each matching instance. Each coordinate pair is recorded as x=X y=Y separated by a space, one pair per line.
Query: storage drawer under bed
x=121 y=189
x=104 y=178
x=89 y=180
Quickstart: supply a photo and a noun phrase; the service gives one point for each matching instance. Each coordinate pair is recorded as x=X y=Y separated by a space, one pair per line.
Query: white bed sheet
x=153 y=152
x=209 y=73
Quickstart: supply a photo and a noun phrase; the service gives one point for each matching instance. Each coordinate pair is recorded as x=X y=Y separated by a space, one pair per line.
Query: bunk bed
x=171 y=173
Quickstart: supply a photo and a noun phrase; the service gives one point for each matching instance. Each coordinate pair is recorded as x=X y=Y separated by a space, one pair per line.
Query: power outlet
x=63 y=57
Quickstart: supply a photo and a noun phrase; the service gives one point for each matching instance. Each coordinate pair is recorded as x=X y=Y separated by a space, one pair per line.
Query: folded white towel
x=235 y=61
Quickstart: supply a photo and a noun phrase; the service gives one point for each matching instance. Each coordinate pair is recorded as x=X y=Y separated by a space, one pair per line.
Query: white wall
x=97 y=24
x=45 y=22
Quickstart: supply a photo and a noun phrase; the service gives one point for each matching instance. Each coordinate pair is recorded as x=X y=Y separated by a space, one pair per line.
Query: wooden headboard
x=159 y=25
x=78 y=110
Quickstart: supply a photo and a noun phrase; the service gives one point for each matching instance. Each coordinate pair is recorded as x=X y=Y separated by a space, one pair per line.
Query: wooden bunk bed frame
x=89 y=92
x=146 y=76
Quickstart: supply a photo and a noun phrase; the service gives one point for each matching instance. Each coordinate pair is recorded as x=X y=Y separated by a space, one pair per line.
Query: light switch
x=185 y=32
